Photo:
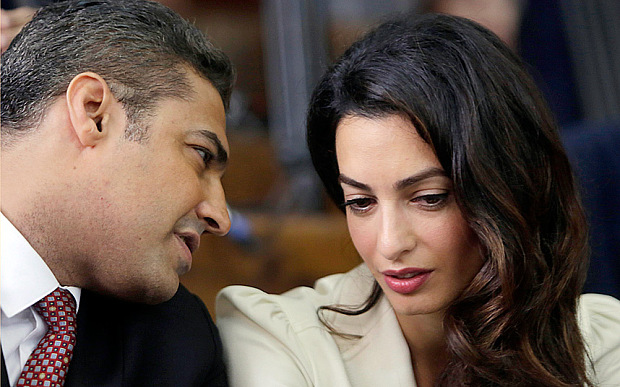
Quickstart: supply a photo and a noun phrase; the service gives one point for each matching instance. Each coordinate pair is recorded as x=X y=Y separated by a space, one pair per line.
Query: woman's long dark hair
x=470 y=98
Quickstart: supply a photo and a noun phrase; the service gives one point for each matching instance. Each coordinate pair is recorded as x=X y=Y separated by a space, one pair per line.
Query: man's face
x=147 y=203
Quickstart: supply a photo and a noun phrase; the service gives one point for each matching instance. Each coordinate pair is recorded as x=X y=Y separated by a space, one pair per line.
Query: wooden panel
x=292 y=250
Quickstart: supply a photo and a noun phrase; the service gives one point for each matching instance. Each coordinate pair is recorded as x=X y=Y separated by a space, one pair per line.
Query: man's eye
x=205 y=154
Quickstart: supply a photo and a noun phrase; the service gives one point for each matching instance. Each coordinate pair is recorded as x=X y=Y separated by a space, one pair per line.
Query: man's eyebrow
x=399 y=185
x=221 y=156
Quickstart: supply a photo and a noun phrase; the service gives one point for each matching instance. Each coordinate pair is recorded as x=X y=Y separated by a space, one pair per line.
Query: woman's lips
x=407 y=280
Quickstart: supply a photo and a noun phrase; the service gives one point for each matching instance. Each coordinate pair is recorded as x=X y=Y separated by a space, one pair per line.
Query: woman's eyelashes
x=432 y=201
x=358 y=205
x=428 y=202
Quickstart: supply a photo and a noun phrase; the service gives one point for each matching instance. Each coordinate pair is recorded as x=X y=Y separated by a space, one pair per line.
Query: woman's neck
x=427 y=344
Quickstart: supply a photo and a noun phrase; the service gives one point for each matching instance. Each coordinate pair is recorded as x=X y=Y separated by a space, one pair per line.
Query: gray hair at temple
x=142 y=49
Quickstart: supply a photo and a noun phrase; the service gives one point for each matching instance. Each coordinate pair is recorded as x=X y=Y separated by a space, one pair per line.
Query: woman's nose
x=396 y=236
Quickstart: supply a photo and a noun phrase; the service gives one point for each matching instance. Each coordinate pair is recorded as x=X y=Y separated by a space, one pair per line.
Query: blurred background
x=285 y=232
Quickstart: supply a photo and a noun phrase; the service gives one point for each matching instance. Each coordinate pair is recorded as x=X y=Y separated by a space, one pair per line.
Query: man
x=113 y=149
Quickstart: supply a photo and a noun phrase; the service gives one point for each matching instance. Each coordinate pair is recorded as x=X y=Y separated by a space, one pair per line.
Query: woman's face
x=402 y=214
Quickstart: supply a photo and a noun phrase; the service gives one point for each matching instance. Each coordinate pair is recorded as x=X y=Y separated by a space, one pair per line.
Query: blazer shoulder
x=599 y=320
x=301 y=303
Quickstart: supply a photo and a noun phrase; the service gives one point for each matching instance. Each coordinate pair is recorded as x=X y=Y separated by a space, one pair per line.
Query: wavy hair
x=471 y=99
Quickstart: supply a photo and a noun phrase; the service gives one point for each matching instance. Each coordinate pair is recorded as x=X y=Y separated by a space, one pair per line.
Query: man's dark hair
x=141 y=48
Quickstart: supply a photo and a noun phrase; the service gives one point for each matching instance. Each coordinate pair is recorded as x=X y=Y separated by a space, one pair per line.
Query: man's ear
x=90 y=104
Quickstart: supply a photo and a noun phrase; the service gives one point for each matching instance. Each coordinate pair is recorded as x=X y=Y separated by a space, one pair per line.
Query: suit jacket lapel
x=98 y=354
x=5 y=375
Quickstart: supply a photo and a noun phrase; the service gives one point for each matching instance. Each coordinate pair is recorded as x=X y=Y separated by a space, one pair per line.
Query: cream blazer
x=278 y=340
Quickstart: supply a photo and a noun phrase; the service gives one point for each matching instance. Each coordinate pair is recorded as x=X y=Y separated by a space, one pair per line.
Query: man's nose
x=214 y=211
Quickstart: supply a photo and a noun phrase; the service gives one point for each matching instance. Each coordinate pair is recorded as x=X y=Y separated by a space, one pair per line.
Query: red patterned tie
x=48 y=364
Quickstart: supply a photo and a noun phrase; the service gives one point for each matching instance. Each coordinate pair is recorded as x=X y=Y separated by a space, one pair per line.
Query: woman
x=460 y=200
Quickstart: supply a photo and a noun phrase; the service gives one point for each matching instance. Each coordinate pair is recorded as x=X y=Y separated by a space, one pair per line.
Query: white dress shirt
x=24 y=280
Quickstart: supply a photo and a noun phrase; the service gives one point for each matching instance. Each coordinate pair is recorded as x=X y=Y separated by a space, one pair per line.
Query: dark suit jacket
x=119 y=343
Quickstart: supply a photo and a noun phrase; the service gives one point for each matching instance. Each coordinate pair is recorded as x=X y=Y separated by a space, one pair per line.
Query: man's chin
x=158 y=298
x=151 y=294
x=183 y=268
x=159 y=294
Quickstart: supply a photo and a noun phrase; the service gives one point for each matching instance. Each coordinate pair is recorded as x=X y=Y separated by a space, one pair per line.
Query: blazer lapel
x=381 y=356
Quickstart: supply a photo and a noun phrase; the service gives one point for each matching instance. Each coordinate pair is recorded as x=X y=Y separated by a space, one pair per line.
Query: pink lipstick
x=407 y=280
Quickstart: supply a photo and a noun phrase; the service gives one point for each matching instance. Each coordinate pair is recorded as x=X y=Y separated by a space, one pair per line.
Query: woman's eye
x=432 y=201
x=204 y=154
x=359 y=205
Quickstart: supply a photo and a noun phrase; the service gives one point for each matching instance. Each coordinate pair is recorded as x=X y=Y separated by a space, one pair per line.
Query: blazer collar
x=381 y=356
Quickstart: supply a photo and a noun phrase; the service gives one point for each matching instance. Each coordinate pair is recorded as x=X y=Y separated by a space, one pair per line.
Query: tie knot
x=58 y=310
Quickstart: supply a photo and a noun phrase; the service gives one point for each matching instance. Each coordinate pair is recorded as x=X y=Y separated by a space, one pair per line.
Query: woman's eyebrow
x=399 y=185
x=418 y=177
x=352 y=182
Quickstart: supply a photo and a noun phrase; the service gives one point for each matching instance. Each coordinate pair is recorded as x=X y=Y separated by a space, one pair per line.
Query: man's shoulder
x=168 y=343
x=182 y=319
x=182 y=305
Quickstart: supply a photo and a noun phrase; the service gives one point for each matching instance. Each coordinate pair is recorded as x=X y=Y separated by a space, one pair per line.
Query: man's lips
x=191 y=240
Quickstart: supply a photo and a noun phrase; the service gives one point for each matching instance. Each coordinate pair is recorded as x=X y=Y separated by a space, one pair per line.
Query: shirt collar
x=24 y=276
